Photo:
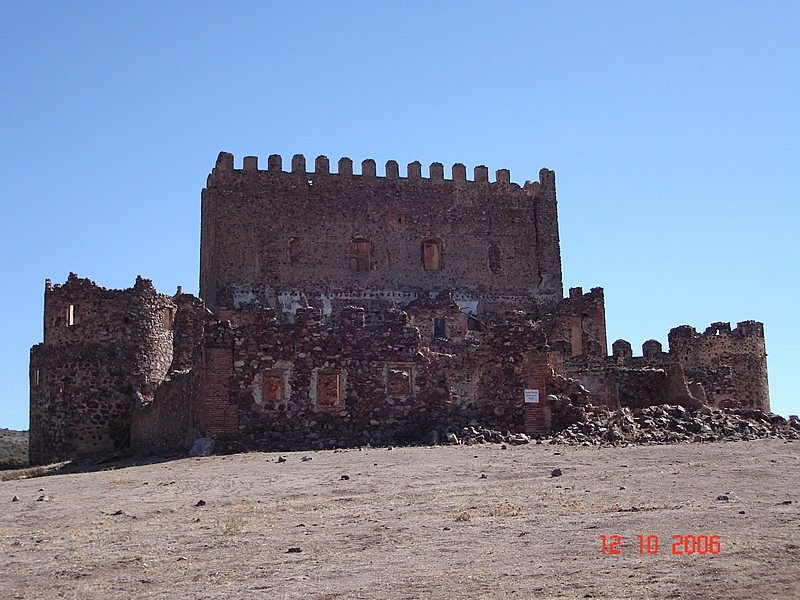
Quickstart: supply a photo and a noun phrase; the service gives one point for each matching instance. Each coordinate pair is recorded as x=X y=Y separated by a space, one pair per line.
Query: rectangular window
x=72 y=315
x=169 y=318
x=432 y=255
x=273 y=386
x=439 y=328
x=360 y=255
x=329 y=389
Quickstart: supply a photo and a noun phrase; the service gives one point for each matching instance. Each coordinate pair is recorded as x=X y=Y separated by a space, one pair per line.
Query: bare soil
x=413 y=523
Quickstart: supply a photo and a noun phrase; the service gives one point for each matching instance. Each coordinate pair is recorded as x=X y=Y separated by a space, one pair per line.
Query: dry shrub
x=506 y=509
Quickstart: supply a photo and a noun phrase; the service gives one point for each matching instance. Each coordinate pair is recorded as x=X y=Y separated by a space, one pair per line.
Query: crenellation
x=414 y=171
x=322 y=166
x=481 y=174
x=275 y=163
x=368 y=168
x=436 y=171
x=299 y=164
x=250 y=163
x=503 y=176
x=224 y=162
x=459 y=172
x=345 y=166
x=392 y=169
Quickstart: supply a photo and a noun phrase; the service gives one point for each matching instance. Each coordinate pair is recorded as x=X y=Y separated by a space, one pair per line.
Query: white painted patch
x=243 y=297
x=466 y=304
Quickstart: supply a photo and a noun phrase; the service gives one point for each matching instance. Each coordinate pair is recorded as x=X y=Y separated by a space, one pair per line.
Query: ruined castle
x=347 y=309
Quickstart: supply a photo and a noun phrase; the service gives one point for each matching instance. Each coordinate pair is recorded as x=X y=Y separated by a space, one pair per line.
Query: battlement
x=743 y=330
x=322 y=168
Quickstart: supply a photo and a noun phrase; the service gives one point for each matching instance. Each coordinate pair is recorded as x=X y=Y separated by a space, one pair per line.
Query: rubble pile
x=663 y=424
x=667 y=424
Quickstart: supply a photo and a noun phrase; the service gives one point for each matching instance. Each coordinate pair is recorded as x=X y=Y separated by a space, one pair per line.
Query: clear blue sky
x=673 y=128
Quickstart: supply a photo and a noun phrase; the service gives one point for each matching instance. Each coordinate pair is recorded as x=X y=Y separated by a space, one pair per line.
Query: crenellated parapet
x=344 y=168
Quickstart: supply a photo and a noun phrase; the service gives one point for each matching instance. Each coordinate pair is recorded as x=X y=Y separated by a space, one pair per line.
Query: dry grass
x=506 y=509
x=29 y=472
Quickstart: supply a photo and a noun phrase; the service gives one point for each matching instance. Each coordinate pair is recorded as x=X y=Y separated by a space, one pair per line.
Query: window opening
x=329 y=389
x=494 y=259
x=169 y=318
x=432 y=255
x=360 y=255
x=72 y=315
x=273 y=386
x=439 y=328
x=295 y=249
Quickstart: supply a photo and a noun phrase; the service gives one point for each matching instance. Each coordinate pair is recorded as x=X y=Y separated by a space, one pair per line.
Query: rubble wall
x=350 y=380
x=735 y=360
x=103 y=351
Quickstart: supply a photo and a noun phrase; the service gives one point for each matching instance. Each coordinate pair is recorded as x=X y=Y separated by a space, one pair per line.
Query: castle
x=345 y=309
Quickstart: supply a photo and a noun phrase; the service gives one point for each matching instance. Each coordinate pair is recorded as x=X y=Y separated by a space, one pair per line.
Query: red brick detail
x=220 y=415
x=536 y=372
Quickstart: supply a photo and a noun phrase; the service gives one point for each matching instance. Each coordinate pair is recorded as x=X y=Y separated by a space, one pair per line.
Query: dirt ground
x=414 y=523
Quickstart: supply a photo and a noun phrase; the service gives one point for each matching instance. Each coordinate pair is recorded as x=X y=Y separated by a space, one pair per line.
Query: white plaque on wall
x=531 y=396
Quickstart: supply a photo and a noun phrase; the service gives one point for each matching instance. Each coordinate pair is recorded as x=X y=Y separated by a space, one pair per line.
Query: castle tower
x=103 y=351
x=732 y=363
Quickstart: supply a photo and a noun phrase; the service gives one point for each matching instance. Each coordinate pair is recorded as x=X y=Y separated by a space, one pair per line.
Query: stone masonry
x=347 y=309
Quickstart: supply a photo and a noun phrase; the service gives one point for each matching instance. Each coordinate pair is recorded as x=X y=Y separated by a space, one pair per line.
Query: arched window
x=432 y=255
x=360 y=254
x=495 y=258
x=295 y=248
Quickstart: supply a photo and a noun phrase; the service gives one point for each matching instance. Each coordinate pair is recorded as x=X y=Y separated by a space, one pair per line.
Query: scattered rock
x=344 y=477
x=203 y=446
x=306 y=458
x=294 y=550
x=281 y=459
x=43 y=498
x=200 y=503
x=15 y=499
x=723 y=498
x=555 y=472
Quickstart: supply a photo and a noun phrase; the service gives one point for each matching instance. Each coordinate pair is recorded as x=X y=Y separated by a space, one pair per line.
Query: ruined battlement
x=743 y=331
x=322 y=168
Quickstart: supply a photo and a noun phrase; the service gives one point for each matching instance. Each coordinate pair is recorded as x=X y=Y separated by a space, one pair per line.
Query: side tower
x=730 y=363
x=300 y=238
x=103 y=351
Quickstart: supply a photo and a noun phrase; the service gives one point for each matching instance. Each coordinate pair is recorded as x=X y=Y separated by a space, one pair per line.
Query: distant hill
x=13 y=449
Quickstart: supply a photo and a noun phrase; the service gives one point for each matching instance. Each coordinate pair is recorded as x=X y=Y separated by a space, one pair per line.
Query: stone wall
x=103 y=351
x=315 y=238
x=357 y=377
x=722 y=368
x=734 y=359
